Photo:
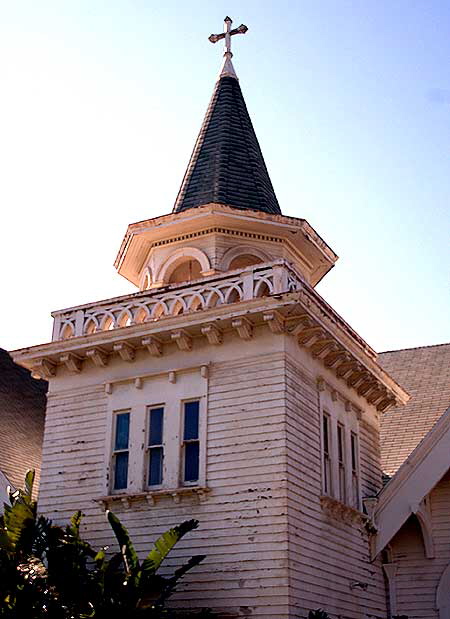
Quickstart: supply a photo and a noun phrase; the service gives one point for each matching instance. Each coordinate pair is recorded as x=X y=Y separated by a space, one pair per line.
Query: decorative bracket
x=370 y=505
x=153 y=345
x=335 y=356
x=320 y=384
x=213 y=334
x=72 y=362
x=183 y=339
x=275 y=321
x=244 y=328
x=126 y=351
x=138 y=382
x=422 y=512
x=312 y=333
x=44 y=368
x=98 y=357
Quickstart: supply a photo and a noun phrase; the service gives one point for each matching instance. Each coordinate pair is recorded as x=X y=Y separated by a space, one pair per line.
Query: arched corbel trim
x=443 y=594
x=241 y=250
x=178 y=257
x=423 y=515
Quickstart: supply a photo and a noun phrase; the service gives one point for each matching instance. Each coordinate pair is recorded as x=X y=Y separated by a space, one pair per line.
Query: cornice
x=285 y=314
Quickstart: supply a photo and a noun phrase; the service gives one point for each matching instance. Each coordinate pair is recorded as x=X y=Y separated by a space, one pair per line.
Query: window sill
x=152 y=496
x=340 y=511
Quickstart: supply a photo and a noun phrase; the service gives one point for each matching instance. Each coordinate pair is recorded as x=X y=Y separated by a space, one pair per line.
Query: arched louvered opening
x=243 y=261
x=186 y=272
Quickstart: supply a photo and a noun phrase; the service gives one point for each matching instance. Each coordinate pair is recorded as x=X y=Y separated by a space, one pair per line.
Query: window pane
x=155 y=471
x=156 y=426
x=191 y=410
x=340 y=443
x=326 y=444
x=121 y=471
x=191 y=461
x=122 y=430
x=354 y=452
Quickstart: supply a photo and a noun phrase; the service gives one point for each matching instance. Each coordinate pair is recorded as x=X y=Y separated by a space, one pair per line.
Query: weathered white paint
x=418 y=475
x=423 y=584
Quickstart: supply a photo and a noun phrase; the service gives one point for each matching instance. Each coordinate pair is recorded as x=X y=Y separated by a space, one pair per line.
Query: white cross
x=227 y=34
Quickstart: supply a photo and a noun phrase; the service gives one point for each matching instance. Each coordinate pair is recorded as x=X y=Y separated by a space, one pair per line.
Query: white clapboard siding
x=272 y=552
x=243 y=522
x=325 y=554
x=417 y=577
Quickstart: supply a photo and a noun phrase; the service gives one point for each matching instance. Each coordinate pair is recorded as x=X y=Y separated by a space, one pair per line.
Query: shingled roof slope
x=425 y=373
x=227 y=165
x=22 y=413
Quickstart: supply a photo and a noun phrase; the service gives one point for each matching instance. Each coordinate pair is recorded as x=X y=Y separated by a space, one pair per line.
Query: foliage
x=48 y=571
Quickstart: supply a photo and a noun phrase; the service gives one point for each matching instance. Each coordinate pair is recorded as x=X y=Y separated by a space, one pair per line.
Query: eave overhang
x=302 y=314
x=141 y=236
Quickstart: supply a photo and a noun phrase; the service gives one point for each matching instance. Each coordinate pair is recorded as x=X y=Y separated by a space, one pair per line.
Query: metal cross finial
x=227 y=34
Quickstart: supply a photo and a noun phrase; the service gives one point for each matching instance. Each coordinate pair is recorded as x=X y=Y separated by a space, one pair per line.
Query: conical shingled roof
x=227 y=165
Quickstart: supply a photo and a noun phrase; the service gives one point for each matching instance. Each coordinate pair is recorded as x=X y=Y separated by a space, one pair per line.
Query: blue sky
x=101 y=103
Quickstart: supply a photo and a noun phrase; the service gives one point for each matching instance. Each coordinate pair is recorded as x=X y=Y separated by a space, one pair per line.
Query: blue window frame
x=191 y=442
x=121 y=451
x=155 y=446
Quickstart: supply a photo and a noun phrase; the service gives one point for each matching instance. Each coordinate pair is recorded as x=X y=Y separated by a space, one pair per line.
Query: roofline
x=389 y=495
x=200 y=210
x=415 y=348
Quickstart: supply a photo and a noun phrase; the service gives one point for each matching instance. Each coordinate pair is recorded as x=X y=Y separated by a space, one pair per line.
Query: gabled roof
x=403 y=494
x=227 y=165
x=425 y=373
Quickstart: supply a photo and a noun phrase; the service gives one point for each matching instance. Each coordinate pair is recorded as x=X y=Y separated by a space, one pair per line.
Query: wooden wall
x=272 y=551
x=417 y=577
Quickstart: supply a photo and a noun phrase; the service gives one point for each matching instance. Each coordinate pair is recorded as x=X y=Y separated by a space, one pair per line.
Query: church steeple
x=227 y=165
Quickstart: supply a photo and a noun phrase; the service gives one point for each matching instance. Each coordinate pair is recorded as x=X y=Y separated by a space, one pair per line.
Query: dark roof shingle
x=227 y=165
x=22 y=413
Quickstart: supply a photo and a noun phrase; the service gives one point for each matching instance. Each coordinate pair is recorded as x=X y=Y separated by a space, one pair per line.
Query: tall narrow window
x=191 y=443
x=326 y=455
x=355 y=471
x=120 y=451
x=341 y=461
x=155 y=446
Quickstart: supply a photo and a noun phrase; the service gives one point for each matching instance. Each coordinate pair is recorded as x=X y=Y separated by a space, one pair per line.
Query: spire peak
x=227 y=69
x=227 y=165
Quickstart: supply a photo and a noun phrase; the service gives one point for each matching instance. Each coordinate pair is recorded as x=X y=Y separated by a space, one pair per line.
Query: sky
x=101 y=102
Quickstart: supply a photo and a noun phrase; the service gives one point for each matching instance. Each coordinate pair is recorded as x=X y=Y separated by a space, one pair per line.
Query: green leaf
x=29 y=481
x=17 y=518
x=75 y=521
x=164 y=545
x=129 y=554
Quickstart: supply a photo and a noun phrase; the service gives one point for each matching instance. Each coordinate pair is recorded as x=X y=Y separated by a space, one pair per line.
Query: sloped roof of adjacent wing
x=403 y=494
x=425 y=373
